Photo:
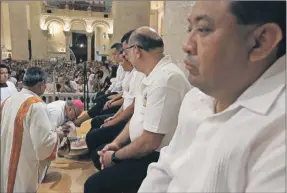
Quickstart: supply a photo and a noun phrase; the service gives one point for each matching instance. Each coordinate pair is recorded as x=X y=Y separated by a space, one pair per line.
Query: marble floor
x=68 y=175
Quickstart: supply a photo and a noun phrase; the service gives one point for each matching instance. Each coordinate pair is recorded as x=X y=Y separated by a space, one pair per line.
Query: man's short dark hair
x=33 y=76
x=262 y=12
x=146 y=42
x=127 y=36
x=117 y=46
x=5 y=66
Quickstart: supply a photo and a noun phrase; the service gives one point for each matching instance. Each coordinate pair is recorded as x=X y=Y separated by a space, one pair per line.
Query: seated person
x=111 y=125
x=231 y=134
x=101 y=108
x=104 y=105
x=116 y=86
x=123 y=167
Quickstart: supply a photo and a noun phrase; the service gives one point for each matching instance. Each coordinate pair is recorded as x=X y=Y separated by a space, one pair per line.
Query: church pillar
x=89 y=42
x=174 y=29
x=38 y=39
x=67 y=42
x=129 y=15
x=19 y=30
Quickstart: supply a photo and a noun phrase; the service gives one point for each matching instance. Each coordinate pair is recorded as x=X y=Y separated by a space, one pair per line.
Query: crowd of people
x=151 y=131
x=69 y=77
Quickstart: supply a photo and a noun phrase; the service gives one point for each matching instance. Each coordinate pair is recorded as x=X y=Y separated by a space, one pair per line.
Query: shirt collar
x=260 y=96
x=164 y=61
x=26 y=91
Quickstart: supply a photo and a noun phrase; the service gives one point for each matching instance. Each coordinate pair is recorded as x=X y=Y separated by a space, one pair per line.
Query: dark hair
x=262 y=12
x=146 y=42
x=100 y=74
x=117 y=46
x=33 y=76
x=5 y=66
x=127 y=36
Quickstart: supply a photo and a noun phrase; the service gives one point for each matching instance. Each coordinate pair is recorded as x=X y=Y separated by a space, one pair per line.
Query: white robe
x=28 y=142
x=7 y=91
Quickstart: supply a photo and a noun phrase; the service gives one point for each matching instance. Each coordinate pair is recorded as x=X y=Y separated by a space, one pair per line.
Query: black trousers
x=126 y=176
x=102 y=96
x=98 y=110
x=96 y=139
x=99 y=120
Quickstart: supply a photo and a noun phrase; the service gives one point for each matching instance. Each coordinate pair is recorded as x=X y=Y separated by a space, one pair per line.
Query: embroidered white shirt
x=241 y=149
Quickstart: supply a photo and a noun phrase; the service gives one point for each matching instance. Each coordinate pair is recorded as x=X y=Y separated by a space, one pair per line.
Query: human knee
x=92 y=184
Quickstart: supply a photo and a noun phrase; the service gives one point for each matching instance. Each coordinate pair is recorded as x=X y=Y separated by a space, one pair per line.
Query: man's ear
x=264 y=40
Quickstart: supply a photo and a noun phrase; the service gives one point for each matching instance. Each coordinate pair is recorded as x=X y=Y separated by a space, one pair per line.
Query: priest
x=28 y=139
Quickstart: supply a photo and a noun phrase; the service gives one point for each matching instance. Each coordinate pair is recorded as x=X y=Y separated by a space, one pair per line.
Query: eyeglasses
x=125 y=49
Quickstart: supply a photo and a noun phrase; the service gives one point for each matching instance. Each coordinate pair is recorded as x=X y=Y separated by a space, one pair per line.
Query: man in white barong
x=28 y=139
x=231 y=130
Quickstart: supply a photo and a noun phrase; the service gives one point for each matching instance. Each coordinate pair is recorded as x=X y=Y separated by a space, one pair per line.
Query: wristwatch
x=115 y=160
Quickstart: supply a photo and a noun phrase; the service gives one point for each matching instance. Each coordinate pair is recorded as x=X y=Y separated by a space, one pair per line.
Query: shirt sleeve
x=54 y=118
x=268 y=172
x=43 y=138
x=161 y=111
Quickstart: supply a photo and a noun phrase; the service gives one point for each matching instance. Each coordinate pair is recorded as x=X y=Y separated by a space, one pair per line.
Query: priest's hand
x=66 y=129
x=61 y=134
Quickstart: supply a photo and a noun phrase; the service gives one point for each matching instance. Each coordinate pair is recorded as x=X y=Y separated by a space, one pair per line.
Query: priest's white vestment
x=28 y=142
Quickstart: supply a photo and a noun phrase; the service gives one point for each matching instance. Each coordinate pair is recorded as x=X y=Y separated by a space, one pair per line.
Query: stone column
x=38 y=39
x=67 y=41
x=89 y=42
x=19 y=30
x=129 y=15
x=95 y=45
x=5 y=26
x=174 y=29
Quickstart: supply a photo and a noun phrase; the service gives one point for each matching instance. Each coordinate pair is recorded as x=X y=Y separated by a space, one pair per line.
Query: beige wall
x=5 y=26
x=38 y=38
x=56 y=40
x=129 y=15
x=19 y=30
x=174 y=29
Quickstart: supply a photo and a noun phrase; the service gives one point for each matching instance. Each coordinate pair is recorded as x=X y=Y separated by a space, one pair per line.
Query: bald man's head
x=146 y=38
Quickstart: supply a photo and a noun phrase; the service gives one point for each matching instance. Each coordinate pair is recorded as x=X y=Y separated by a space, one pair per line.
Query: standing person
x=153 y=122
x=7 y=88
x=28 y=139
x=231 y=132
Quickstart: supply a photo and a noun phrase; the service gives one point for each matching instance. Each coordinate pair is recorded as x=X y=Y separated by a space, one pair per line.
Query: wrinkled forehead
x=214 y=12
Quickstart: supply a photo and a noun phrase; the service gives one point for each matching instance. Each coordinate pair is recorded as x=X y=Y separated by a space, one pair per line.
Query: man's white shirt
x=241 y=149
x=116 y=85
x=158 y=101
